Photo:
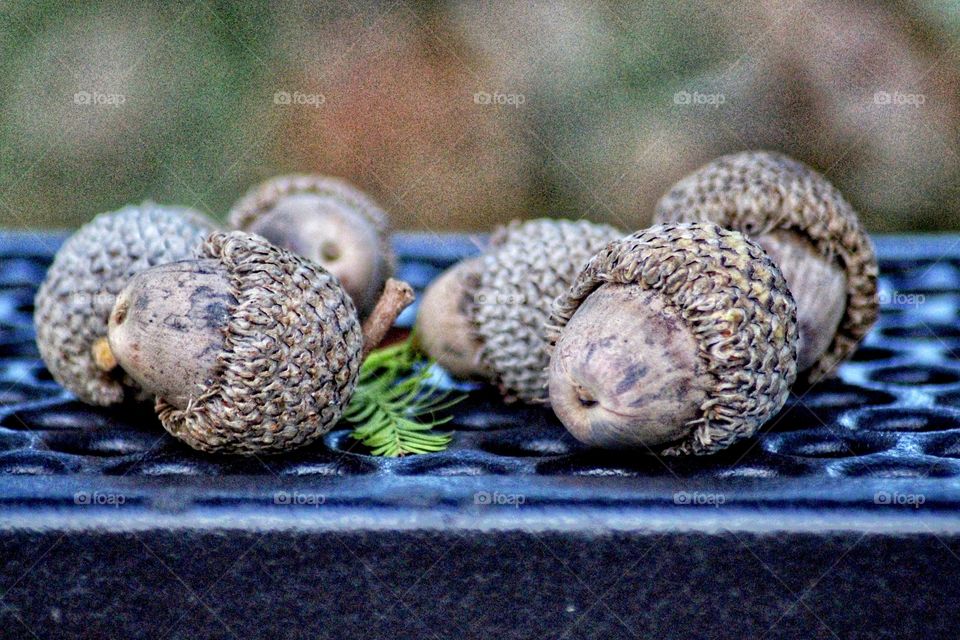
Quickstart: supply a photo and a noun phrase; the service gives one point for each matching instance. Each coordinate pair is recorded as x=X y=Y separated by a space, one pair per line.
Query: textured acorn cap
x=734 y=300
x=523 y=271
x=76 y=297
x=758 y=192
x=290 y=357
x=262 y=198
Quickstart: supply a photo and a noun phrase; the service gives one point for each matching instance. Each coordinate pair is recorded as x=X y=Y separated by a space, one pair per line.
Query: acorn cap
x=76 y=297
x=757 y=192
x=525 y=268
x=262 y=198
x=291 y=355
x=734 y=300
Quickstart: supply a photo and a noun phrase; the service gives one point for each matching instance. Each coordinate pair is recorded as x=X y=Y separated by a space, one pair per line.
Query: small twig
x=397 y=295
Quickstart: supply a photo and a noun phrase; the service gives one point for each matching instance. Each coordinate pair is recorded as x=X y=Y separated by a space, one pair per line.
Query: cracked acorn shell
x=74 y=301
x=273 y=340
x=504 y=299
x=811 y=232
x=328 y=221
x=681 y=338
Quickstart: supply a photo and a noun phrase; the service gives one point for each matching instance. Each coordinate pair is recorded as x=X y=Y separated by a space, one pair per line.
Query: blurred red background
x=460 y=116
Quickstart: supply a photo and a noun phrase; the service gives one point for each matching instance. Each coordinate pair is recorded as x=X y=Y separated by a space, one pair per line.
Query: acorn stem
x=102 y=355
x=397 y=295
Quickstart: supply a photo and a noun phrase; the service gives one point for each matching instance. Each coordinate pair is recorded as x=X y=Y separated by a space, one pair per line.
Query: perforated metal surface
x=892 y=413
x=531 y=511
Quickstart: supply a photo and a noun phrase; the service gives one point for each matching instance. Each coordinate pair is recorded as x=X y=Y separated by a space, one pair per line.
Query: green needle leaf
x=395 y=406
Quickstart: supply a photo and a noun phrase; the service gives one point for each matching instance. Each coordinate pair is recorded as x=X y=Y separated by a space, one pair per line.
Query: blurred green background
x=461 y=115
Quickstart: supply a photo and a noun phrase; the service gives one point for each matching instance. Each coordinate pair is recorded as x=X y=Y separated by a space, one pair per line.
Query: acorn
x=248 y=348
x=444 y=329
x=810 y=231
x=681 y=338
x=74 y=301
x=486 y=317
x=328 y=221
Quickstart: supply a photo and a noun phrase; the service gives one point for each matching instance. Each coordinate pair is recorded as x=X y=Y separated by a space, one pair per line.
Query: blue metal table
x=841 y=519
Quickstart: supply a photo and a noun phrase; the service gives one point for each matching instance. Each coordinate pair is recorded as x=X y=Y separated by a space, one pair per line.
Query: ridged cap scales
x=525 y=268
x=734 y=300
x=291 y=355
x=78 y=293
x=756 y=192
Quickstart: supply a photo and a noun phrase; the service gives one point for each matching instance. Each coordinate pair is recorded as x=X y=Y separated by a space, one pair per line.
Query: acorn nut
x=444 y=329
x=248 y=348
x=810 y=231
x=328 y=221
x=74 y=301
x=681 y=338
x=487 y=316
x=169 y=325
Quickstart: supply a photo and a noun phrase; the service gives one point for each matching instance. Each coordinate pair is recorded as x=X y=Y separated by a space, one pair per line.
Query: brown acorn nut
x=169 y=325
x=249 y=348
x=504 y=298
x=680 y=338
x=444 y=329
x=328 y=221
x=75 y=299
x=809 y=230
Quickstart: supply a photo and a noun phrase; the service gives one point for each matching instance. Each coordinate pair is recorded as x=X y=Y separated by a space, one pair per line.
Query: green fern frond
x=395 y=406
